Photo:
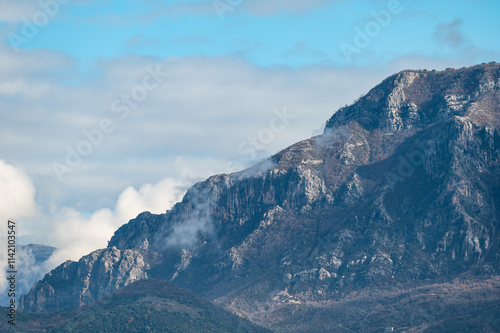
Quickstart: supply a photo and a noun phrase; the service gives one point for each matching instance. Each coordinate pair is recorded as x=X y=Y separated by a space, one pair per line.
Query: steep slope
x=143 y=306
x=402 y=187
x=92 y=277
x=461 y=305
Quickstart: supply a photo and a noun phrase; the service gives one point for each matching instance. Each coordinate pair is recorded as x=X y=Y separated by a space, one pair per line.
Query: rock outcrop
x=78 y=283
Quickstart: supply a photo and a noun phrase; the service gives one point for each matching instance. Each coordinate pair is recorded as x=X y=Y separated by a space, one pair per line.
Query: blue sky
x=296 y=36
x=229 y=80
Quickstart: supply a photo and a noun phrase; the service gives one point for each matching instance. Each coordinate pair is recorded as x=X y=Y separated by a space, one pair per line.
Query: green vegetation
x=144 y=306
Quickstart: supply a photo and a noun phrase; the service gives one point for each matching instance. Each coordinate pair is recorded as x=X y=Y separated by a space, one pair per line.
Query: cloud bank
x=17 y=195
x=71 y=232
x=203 y=111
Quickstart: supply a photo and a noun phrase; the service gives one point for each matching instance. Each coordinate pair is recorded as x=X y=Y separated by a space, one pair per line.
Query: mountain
x=40 y=253
x=142 y=306
x=401 y=191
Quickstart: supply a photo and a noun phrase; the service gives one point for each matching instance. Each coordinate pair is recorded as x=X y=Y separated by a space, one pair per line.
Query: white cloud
x=155 y=198
x=76 y=234
x=17 y=195
x=203 y=111
x=14 y=10
x=73 y=234
x=23 y=88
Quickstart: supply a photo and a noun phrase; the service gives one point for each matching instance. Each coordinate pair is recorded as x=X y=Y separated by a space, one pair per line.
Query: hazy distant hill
x=32 y=265
x=39 y=252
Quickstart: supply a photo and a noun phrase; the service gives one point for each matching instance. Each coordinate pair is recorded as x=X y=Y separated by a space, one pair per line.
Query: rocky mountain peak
x=418 y=98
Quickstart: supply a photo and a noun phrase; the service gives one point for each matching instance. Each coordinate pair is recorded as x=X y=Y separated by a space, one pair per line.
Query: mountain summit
x=401 y=189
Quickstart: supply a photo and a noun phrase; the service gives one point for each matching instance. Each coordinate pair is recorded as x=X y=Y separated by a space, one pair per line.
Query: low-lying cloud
x=17 y=195
x=73 y=233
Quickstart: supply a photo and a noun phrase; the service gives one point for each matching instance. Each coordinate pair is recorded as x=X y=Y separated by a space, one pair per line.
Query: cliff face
x=74 y=284
x=404 y=185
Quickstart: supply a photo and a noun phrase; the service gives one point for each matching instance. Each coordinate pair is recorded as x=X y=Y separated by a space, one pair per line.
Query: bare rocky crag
x=403 y=187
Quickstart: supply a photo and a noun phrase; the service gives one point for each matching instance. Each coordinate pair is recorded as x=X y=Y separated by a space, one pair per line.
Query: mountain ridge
x=403 y=186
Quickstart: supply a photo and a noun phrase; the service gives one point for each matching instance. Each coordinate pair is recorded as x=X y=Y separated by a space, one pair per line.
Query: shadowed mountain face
x=403 y=188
